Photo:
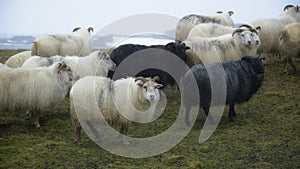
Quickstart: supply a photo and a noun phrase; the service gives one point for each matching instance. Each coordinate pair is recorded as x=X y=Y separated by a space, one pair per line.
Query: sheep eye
x=145 y=87
x=243 y=35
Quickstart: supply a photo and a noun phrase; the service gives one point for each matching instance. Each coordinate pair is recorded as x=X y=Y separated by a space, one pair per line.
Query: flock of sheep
x=59 y=66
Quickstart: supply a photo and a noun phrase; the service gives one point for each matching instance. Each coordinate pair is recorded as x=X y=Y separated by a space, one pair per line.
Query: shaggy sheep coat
x=186 y=23
x=78 y=43
x=243 y=78
x=136 y=98
x=289 y=41
x=18 y=59
x=34 y=89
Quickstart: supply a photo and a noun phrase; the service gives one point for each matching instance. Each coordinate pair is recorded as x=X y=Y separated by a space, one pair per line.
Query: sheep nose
x=249 y=42
x=152 y=96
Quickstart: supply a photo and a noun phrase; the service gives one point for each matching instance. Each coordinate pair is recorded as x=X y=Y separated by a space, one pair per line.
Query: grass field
x=266 y=134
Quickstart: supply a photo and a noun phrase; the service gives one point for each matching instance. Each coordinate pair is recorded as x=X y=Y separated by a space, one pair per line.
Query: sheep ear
x=61 y=66
x=157 y=85
x=230 y=13
x=90 y=29
x=219 y=12
x=155 y=79
x=258 y=28
x=247 y=58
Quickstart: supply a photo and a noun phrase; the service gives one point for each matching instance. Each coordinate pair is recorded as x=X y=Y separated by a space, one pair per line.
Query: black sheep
x=123 y=51
x=243 y=78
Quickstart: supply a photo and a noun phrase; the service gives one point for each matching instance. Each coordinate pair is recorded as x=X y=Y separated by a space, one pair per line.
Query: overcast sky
x=61 y=16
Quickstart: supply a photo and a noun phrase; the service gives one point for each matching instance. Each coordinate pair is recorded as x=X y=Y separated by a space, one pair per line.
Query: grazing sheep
x=186 y=23
x=243 y=78
x=97 y=63
x=270 y=29
x=79 y=43
x=135 y=98
x=18 y=59
x=123 y=51
x=289 y=41
x=34 y=89
x=222 y=48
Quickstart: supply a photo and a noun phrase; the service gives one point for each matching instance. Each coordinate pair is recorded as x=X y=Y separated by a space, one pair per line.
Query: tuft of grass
x=264 y=135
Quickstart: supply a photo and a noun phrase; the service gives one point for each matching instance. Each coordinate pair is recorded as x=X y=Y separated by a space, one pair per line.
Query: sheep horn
x=245 y=25
x=287 y=7
x=155 y=79
x=297 y=10
x=253 y=30
x=90 y=29
x=237 y=31
x=140 y=78
x=76 y=29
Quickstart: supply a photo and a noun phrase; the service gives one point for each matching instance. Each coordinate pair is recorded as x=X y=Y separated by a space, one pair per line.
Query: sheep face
x=243 y=37
x=105 y=58
x=63 y=68
x=256 y=64
x=149 y=88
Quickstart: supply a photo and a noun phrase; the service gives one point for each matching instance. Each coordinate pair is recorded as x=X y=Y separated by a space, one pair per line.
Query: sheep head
x=150 y=87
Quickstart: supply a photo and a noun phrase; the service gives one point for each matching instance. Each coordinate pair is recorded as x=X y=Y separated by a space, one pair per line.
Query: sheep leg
x=77 y=134
x=208 y=115
x=97 y=136
x=285 y=60
x=231 y=113
x=292 y=63
x=187 y=116
x=124 y=131
x=37 y=119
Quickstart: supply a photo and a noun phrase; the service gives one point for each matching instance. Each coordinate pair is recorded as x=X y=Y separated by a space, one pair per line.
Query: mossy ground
x=266 y=134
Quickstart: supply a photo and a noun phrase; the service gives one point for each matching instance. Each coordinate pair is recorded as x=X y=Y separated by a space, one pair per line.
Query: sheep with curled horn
x=222 y=48
x=270 y=29
x=120 y=102
x=78 y=43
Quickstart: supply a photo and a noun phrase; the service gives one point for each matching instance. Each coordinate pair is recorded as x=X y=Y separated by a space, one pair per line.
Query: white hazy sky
x=61 y=16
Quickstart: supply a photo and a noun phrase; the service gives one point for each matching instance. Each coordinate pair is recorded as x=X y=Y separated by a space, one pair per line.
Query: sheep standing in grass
x=222 y=48
x=270 y=28
x=243 y=78
x=34 y=89
x=135 y=98
x=289 y=41
x=186 y=23
x=97 y=63
x=79 y=43
x=18 y=59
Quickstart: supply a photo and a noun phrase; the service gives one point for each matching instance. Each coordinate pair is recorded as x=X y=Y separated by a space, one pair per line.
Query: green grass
x=266 y=134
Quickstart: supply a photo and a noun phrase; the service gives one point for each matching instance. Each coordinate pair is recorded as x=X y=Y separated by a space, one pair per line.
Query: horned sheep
x=97 y=63
x=186 y=23
x=270 y=28
x=135 y=98
x=18 y=59
x=222 y=48
x=34 y=89
x=289 y=41
x=78 y=43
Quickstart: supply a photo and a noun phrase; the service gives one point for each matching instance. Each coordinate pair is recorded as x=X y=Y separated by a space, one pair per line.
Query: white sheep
x=78 y=43
x=289 y=41
x=186 y=23
x=222 y=48
x=35 y=89
x=97 y=63
x=18 y=59
x=270 y=29
x=119 y=102
x=214 y=30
